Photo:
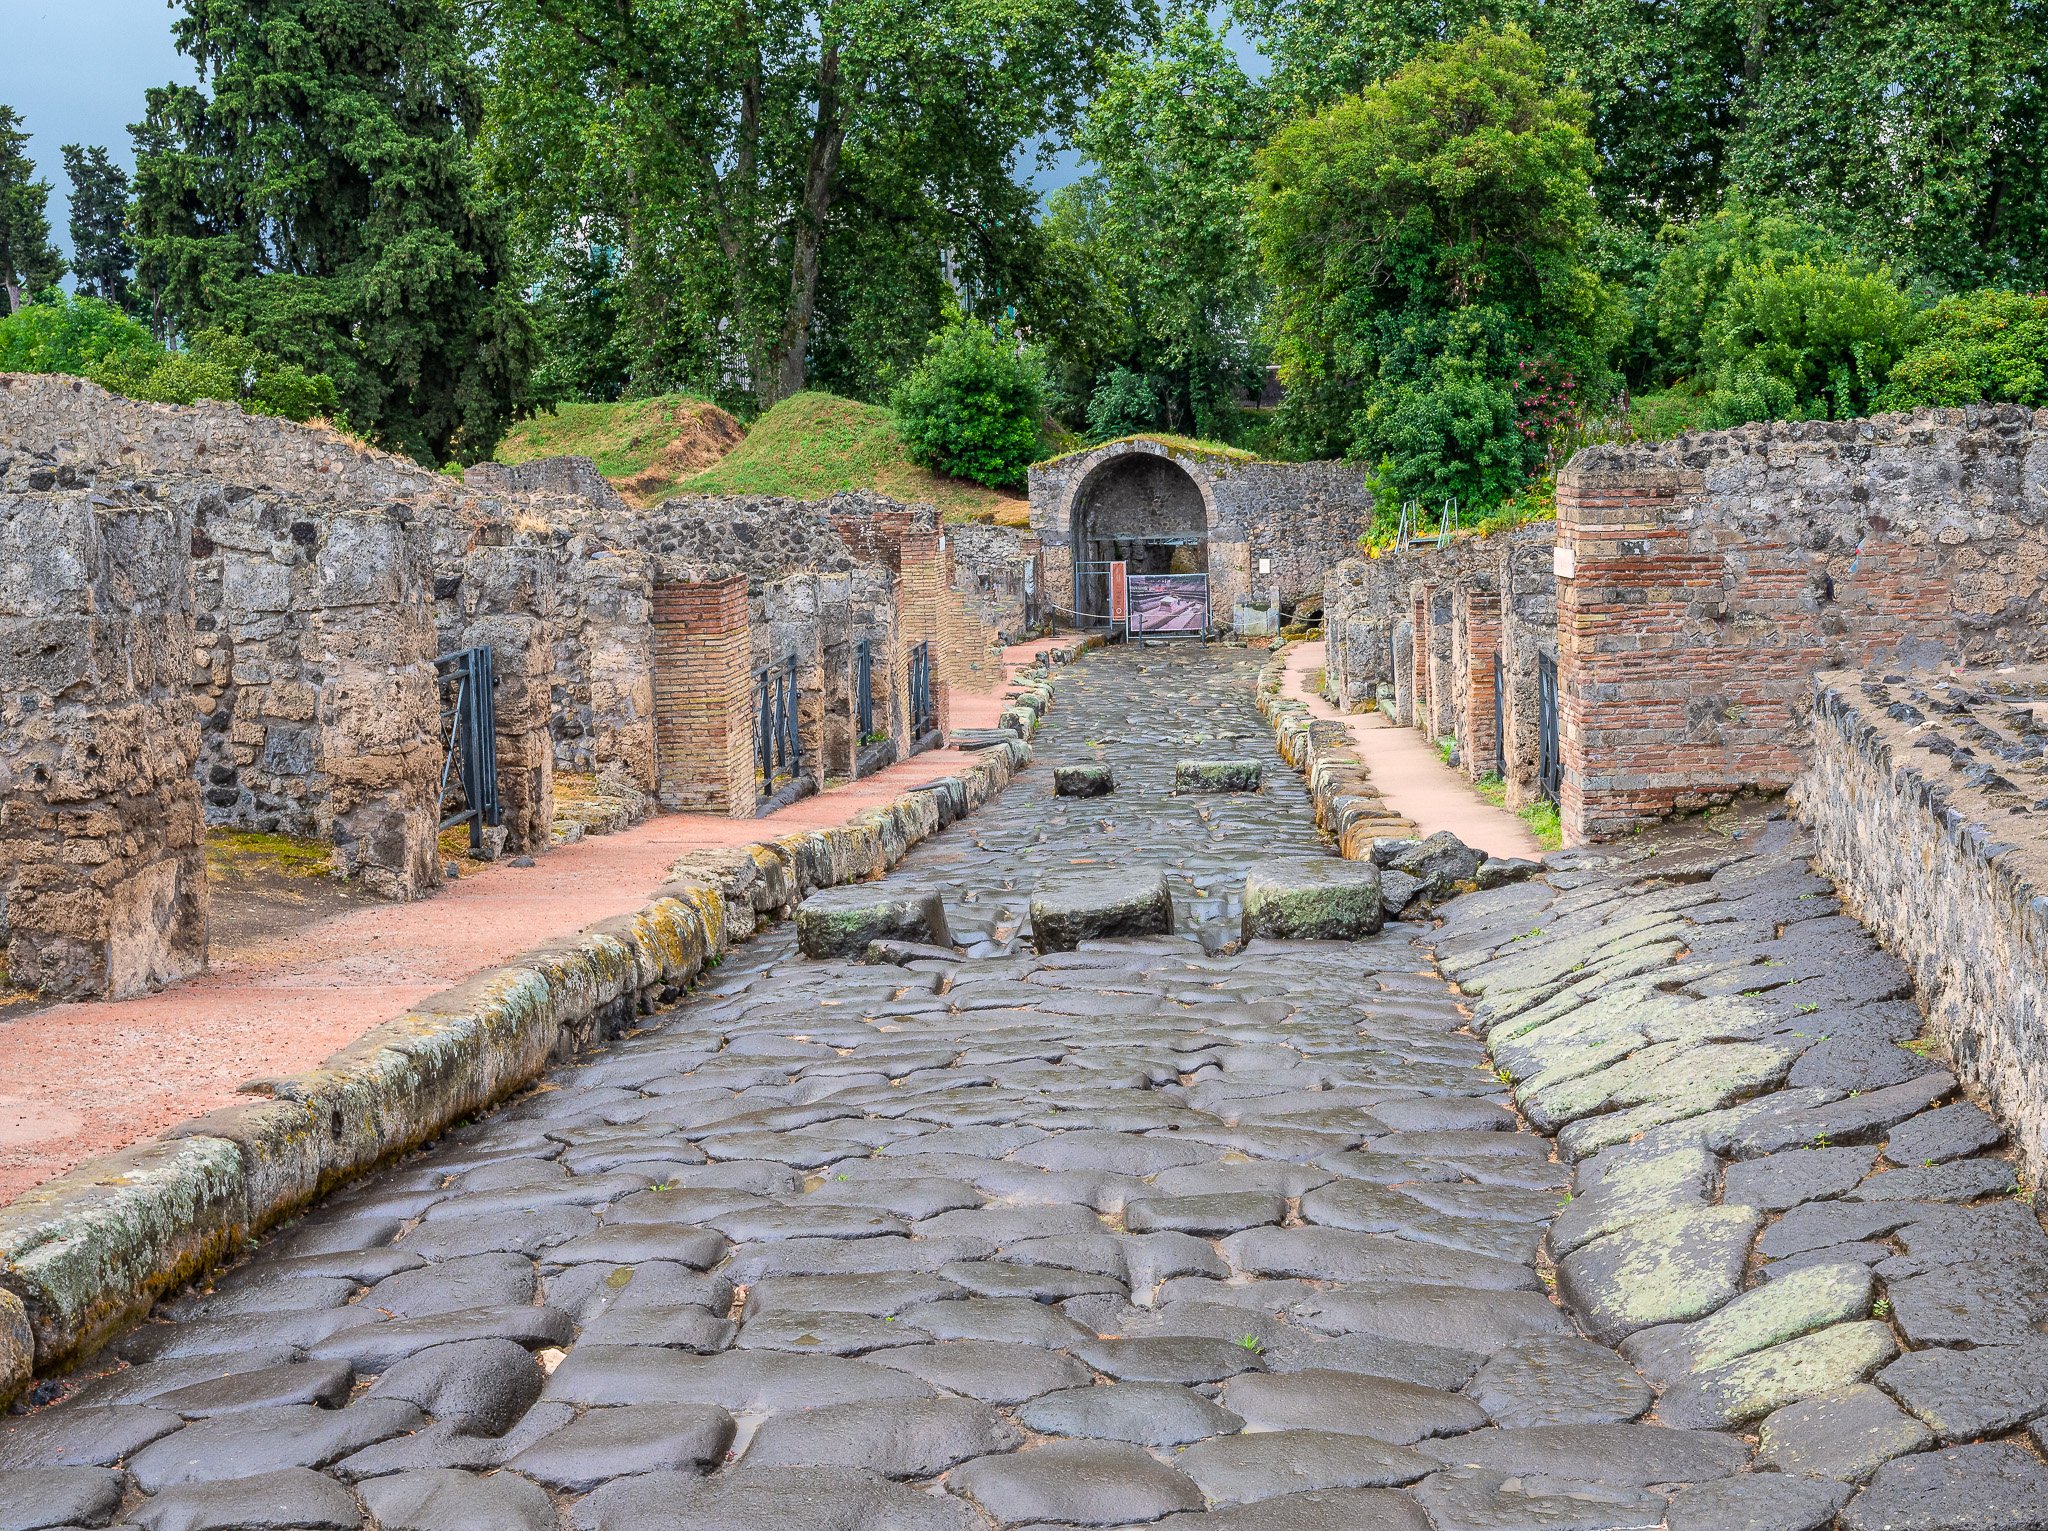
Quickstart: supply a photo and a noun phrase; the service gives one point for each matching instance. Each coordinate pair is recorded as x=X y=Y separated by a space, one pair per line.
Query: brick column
x=921 y=591
x=102 y=861
x=1418 y=660
x=704 y=697
x=1477 y=737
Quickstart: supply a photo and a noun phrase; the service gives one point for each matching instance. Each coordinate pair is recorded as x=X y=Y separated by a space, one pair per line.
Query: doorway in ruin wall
x=1144 y=511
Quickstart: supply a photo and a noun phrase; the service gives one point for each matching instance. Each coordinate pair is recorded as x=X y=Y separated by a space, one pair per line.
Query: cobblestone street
x=1157 y=1231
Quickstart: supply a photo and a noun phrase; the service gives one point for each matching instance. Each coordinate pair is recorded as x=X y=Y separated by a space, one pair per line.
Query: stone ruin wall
x=991 y=567
x=102 y=857
x=1709 y=579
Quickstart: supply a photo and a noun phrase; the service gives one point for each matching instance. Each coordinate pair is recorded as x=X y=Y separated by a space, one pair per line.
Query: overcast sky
x=76 y=70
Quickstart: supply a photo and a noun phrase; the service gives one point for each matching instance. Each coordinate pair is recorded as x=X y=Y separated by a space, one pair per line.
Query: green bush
x=1979 y=347
x=1801 y=340
x=85 y=337
x=972 y=406
x=1702 y=261
x=1124 y=403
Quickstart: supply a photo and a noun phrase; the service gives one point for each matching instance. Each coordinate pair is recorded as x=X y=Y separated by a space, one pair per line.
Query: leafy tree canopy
x=1978 y=347
x=741 y=154
x=1425 y=240
x=101 y=255
x=29 y=263
x=319 y=197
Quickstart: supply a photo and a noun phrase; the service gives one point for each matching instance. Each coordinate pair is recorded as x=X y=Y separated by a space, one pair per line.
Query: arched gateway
x=1257 y=529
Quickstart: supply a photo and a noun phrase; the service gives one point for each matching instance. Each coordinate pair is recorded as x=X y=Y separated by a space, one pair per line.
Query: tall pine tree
x=28 y=261
x=320 y=197
x=101 y=257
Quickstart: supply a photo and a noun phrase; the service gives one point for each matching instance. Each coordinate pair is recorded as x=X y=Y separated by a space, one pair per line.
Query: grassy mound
x=646 y=447
x=814 y=444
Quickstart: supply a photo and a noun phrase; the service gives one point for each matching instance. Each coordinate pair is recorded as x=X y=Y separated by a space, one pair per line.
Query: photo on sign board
x=1164 y=605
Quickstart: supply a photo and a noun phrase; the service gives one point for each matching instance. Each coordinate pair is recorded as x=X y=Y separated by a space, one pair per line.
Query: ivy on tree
x=319 y=197
x=29 y=263
x=101 y=256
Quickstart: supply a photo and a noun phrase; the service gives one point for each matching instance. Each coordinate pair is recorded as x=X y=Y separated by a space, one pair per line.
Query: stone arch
x=1138 y=505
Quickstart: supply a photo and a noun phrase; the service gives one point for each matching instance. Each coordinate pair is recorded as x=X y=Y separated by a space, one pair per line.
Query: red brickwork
x=921 y=587
x=703 y=697
x=1479 y=632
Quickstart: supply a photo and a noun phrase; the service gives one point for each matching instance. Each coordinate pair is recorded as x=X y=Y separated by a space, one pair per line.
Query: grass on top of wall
x=815 y=444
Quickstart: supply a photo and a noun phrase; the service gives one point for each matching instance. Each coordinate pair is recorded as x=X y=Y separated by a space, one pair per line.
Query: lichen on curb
x=84 y=1255
x=1348 y=806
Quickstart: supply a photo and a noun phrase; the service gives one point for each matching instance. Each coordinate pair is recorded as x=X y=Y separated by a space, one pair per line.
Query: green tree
x=1980 y=347
x=1801 y=339
x=29 y=263
x=319 y=197
x=732 y=149
x=972 y=407
x=1425 y=243
x=101 y=256
x=1702 y=259
x=1172 y=137
x=78 y=335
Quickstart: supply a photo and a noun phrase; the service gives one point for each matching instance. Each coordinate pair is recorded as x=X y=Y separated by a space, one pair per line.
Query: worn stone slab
x=1083 y=781
x=1845 y=1434
x=1217 y=775
x=1997 y=1486
x=840 y=922
x=1668 y=1269
x=1793 y=1305
x=1324 y=899
x=1078 y=905
x=1740 y=1391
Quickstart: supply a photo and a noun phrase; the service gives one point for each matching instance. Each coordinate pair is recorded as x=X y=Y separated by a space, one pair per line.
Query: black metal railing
x=1500 y=717
x=469 y=720
x=864 y=689
x=1549 y=760
x=924 y=712
x=777 y=749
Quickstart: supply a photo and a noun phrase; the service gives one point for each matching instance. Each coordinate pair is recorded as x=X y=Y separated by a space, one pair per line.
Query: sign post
x=1118 y=603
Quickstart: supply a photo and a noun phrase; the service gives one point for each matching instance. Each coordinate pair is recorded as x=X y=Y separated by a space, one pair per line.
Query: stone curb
x=90 y=1252
x=1348 y=806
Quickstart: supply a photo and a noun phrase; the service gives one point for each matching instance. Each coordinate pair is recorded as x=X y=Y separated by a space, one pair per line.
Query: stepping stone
x=1758 y=1502
x=840 y=922
x=33 y=1498
x=909 y=1438
x=1558 y=1380
x=1998 y=1486
x=1076 y=905
x=1476 y=1499
x=1075 y=1483
x=443 y=1499
x=1243 y=1469
x=1348 y=1403
x=297 y=1498
x=1769 y=1379
x=1847 y=1434
x=1319 y=899
x=782 y=1498
x=1143 y=1413
x=1441 y=862
x=1216 y=775
x=610 y=1443
x=1083 y=781
x=1680 y=1266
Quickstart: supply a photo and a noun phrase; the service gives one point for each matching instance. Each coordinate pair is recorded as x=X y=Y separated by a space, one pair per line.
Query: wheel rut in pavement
x=1151 y=1232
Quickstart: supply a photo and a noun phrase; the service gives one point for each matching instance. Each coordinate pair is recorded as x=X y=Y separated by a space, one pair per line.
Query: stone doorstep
x=90 y=1252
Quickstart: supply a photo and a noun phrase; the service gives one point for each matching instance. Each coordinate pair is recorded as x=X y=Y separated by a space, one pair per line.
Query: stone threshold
x=88 y=1253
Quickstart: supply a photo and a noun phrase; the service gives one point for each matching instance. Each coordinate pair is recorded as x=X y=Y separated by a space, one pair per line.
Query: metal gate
x=863 y=691
x=777 y=750
x=1549 y=761
x=1500 y=718
x=469 y=719
x=924 y=714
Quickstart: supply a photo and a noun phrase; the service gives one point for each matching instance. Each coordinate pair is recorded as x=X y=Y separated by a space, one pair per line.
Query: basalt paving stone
x=1077 y=1483
x=325 y=1383
x=1243 y=1469
x=1475 y=1499
x=1143 y=1413
x=442 y=1499
x=1782 y=1180
x=1758 y=1502
x=611 y=1443
x=1335 y=1509
x=1632 y=1455
x=1846 y=1434
x=1558 y=1380
x=914 y=1438
x=1997 y=1486
x=1180 y=1359
x=296 y=1435
x=34 y=1498
x=1962 y=1394
x=295 y=1499
x=1948 y=1132
x=1348 y=1403
x=481 y=1387
x=989 y=1370
x=75 y=1437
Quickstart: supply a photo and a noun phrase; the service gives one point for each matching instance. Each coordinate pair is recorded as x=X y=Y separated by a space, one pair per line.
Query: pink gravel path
x=1409 y=774
x=79 y=1080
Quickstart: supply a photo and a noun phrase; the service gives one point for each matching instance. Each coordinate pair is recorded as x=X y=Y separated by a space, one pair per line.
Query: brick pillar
x=920 y=595
x=704 y=697
x=102 y=860
x=1418 y=660
x=1477 y=736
